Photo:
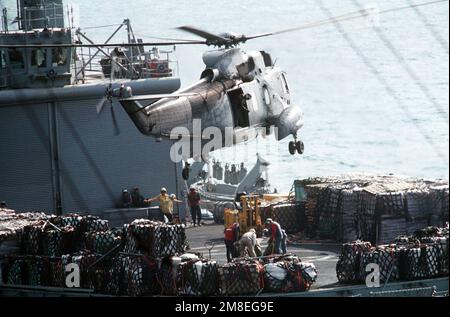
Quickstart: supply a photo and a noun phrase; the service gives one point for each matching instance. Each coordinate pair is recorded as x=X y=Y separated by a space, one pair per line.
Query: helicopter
x=240 y=93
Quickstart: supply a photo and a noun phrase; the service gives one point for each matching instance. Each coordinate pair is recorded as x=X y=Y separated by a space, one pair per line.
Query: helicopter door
x=240 y=108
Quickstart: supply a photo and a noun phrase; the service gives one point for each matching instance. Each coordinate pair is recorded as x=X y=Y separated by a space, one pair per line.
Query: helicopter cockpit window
x=59 y=56
x=39 y=58
x=2 y=59
x=285 y=84
x=16 y=58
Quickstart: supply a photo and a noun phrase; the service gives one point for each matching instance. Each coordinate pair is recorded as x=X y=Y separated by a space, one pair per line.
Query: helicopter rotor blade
x=103 y=45
x=344 y=17
x=210 y=37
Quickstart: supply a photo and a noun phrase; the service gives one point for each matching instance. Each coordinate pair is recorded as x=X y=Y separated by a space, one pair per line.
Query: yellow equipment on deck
x=249 y=217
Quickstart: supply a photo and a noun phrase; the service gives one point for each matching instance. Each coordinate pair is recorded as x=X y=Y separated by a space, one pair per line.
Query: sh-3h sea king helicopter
x=240 y=93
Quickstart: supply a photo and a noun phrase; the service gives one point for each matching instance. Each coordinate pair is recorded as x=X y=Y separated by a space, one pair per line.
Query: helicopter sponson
x=240 y=94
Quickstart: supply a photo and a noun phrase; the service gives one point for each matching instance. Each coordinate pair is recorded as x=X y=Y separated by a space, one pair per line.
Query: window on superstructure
x=39 y=58
x=16 y=58
x=59 y=56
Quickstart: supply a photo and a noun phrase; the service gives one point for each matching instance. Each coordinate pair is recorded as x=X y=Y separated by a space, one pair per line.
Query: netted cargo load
x=289 y=274
x=327 y=213
x=348 y=265
x=419 y=204
x=52 y=242
x=388 y=260
x=391 y=203
x=38 y=271
x=155 y=239
x=416 y=224
x=390 y=228
x=445 y=205
x=94 y=224
x=242 y=278
x=198 y=278
x=365 y=217
x=31 y=238
x=84 y=260
x=169 y=277
x=15 y=270
x=57 y=274
x=349 y=227
x=421 y=262
x=310 y=211
x=102 y=242
x=140 y=276
x=286 y=215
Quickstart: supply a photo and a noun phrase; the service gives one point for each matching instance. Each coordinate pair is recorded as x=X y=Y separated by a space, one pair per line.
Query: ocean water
x=374 y=91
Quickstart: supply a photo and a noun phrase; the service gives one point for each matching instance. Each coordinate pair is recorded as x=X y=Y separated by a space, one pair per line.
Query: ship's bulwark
x=65 y=147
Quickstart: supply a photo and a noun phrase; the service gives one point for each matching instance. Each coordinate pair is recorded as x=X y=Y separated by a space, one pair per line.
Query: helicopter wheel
x=292 y=147
x=300 y=147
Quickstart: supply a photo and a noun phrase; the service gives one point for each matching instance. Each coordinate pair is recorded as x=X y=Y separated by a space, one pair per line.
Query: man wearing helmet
x=165 y=203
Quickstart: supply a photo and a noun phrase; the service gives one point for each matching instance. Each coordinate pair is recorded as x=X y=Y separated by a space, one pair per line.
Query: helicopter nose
x=289 y=122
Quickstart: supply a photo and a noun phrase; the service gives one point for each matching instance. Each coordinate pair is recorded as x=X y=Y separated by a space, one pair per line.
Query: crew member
x=127 y=201
x=231 y=237
x=194 y=206
x=165 y=203
x=276 y=235
x=248 y=241
x=169 y=215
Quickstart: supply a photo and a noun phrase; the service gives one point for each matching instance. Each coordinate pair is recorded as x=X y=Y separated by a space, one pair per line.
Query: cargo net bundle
x=155 y=239
x=287 y=214
x=422 y=255
x=369 y=208
x=242 y=277
x=287 y=274
x=60 y=235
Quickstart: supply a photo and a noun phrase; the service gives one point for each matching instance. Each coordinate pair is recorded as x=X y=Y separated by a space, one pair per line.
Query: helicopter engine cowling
x=211 y=74
x=289 y=122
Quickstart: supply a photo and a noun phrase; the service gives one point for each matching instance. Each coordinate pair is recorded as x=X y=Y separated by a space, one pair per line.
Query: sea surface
x=374 y=91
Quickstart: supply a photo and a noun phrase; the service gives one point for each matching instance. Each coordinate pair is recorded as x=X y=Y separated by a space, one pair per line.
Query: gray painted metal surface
x=66 y=149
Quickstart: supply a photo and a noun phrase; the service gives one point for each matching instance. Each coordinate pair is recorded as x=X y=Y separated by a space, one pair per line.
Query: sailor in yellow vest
x=165 y=203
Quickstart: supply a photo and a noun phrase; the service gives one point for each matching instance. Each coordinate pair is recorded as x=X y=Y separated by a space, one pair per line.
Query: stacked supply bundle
x=370 y=208
x=139 y=276
x=349 y=225
x=155 y=239
x=197 y=277
x=288 y=274
x=347 y=267
x=388 y=259
x=420 y=256
x=327 y=213
x=102 y=242
x=242 y=277
x=287 y=215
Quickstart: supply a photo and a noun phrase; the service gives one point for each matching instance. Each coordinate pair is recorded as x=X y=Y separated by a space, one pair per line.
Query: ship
x=67 y=145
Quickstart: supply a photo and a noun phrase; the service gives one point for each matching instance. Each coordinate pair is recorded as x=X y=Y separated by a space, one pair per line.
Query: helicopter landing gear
x=296 y=146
